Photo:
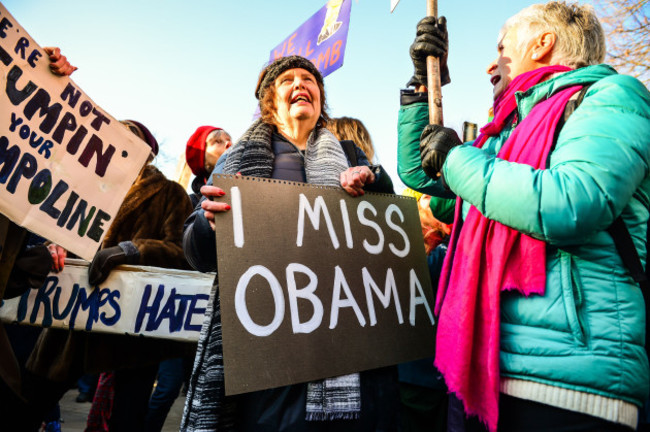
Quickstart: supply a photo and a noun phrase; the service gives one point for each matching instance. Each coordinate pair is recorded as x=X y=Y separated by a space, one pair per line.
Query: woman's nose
x=491 y=67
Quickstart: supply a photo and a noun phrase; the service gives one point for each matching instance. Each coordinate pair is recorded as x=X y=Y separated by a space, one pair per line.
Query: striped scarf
x=253 y=155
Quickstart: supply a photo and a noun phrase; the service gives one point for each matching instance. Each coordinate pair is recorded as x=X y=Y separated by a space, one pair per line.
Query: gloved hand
x=431 y=40
x=435 y=143
x=107 y=259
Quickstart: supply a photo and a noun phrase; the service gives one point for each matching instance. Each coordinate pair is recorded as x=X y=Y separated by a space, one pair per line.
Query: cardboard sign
x=137 y=300
x=321 y=38
x=65 y=164
x=314 y=283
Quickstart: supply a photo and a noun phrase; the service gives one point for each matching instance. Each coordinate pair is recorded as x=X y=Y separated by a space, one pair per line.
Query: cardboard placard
x=314 y=283
x=136 y=300
x=65 y=164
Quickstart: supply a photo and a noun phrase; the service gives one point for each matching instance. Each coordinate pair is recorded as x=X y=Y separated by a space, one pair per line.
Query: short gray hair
x=579 y=37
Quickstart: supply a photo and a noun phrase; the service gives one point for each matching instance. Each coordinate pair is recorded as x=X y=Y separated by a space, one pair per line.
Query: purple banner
x=321 y=38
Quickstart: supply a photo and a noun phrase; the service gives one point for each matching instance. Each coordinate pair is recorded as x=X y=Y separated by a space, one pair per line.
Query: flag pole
x=433 y=76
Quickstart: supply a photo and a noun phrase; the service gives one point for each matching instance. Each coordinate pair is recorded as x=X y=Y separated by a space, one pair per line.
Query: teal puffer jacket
x=586 y=333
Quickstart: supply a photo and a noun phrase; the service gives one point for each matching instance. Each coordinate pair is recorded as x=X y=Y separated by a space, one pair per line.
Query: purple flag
x=321 y=38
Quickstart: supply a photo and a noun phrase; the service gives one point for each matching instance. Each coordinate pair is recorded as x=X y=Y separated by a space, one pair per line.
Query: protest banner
x=315 y=283
x=65 y=164
x=321 y=39
x=135 y=300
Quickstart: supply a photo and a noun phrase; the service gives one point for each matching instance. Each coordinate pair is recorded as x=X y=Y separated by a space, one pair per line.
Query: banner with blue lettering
x=321 y=38
x=318 y=283
x=65 y=164
x=136 y=300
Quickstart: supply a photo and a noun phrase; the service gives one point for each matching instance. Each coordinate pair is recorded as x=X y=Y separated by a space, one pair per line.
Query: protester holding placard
x=147 y=231
x=289 y=142
x=541 y=323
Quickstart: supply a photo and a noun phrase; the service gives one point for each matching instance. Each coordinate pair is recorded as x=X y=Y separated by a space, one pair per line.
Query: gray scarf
x=253 y=155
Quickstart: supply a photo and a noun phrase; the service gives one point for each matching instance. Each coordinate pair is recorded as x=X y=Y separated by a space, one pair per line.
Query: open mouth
x=300 y=97
x=495 y=79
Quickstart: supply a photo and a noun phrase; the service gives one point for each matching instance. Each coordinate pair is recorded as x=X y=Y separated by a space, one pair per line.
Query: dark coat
x=152 y=217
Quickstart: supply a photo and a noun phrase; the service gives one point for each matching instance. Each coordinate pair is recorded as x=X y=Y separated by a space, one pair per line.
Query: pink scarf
x=486 y=257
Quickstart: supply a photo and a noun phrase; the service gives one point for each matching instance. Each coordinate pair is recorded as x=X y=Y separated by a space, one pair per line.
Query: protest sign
x=65 y=164
x=321 y=38
x=315 y=283
x=136 y=300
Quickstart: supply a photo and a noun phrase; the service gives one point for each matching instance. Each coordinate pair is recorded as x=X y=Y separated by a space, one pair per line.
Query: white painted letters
x=337 y=302
x=371 y=249
x=417 y=300
x=240 y=301
x=314 y=217
x=390 y=288
x=306 y=293
x=407 y=246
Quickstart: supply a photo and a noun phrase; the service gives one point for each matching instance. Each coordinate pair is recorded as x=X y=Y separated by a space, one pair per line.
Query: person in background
x=205 y=151
x=147 y=230
x=423 y=394
x=540 y=322
x=353 y=129
x=289 y=142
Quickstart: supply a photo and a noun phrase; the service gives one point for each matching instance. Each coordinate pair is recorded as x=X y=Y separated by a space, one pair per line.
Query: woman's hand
x=59 y=64
x=355 y=178
x=58 y=255
x=212 y=207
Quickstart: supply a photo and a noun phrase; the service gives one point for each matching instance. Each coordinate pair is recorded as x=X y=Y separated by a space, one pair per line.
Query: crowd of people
x=541 y=318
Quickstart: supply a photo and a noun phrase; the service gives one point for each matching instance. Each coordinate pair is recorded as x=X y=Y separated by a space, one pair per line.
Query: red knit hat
x=195 y=150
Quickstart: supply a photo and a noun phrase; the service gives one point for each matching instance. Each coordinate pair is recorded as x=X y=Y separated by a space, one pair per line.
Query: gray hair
x=217 y=134
x=579 y=37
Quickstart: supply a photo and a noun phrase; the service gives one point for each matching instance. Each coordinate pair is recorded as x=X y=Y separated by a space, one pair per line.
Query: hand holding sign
x=59 y=64
x=355 y=178
x=211 y=207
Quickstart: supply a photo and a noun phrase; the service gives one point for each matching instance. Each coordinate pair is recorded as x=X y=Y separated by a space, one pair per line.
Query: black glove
x=431 y=40
x=435 y=143
x=107 y=259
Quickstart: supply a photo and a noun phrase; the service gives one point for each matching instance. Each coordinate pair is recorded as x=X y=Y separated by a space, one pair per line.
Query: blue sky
x=176 y=65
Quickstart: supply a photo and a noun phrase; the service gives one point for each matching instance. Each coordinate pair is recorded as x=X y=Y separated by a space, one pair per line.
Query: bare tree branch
x=627 y=31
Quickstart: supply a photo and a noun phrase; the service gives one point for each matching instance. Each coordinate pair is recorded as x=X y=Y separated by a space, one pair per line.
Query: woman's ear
x=542 y=49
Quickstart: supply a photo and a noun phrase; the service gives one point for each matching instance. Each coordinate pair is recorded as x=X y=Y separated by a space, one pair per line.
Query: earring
x=534 y=56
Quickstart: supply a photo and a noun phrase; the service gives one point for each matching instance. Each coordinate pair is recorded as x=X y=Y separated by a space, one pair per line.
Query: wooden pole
x=433 y=76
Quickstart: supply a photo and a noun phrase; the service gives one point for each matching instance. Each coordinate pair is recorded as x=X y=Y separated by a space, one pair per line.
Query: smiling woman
x=289 y=142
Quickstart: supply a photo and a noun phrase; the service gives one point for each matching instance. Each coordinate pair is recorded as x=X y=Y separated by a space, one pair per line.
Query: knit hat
x=272 y=71
x=143 y=133
x=195 y=150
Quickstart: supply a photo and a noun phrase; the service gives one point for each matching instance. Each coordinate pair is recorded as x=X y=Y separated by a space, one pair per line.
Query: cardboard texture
x=298 y=304
x=65 y=164
x=136 y=300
